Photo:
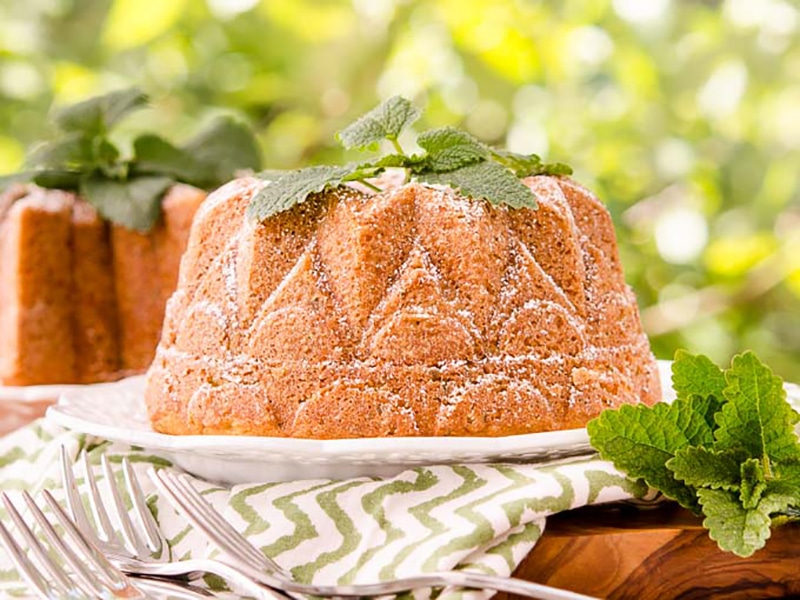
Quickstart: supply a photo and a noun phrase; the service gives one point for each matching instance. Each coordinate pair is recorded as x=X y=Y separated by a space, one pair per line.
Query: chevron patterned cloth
x=484 y=518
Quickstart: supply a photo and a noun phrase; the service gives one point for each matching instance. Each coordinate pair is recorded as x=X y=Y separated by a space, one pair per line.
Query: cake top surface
x=362 y=267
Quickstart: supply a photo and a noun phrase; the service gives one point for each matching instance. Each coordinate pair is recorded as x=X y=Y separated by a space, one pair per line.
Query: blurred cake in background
x=91 y=239
x=82 y=300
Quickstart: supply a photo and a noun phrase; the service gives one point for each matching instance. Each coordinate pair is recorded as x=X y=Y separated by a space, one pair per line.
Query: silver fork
x=92 y=575
x=140 y=550
x=186 y=499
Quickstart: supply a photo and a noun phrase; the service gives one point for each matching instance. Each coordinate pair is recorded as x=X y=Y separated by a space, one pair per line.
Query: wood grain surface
x=658 y=553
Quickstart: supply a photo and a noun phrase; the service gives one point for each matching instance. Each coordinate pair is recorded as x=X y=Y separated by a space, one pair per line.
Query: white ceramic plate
x=117 y=412
x=22 y=404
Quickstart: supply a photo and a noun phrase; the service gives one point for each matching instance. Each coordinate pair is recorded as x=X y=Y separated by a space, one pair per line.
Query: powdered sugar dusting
x=422 y=342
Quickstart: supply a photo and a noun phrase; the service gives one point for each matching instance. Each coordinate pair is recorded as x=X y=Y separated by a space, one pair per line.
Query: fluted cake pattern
x=410 y=312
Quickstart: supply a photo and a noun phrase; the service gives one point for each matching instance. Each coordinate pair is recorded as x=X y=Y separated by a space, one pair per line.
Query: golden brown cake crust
x=35 y=286
x=410 y=312
x=94 y=311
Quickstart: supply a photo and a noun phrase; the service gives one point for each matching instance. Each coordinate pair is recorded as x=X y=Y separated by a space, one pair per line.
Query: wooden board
x=658 y=553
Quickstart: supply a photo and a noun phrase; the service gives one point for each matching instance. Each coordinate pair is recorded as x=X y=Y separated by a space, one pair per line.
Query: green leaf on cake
x=128 y=191
x=74 y=150
x=293 y=188
x=135 y=204
x=58 y=179
x=485 y=180
x=384 y=122
x=527 y=165
x=271 y=174
x=154 y=154
x=449 y=149
x=397 y=160
x=225 y=147
x=100 y=113
x=362 y=173
x=451 y=157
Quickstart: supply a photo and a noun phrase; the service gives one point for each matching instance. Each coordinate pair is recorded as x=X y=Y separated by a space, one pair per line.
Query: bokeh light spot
x=722 y=92
x=681 y=234
x=641 y=11
x=20 y=79
x=227 y=9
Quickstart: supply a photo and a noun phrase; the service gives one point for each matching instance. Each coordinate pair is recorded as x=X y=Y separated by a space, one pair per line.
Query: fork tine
x=129 y=536
x=88 y=580
x=143 y=514
x=74 y=503
x=236 y=538
x=43 y=559
x=24 y=566
x=193 y=505
x=106 y=530
x=169 y=485
x=113 y=577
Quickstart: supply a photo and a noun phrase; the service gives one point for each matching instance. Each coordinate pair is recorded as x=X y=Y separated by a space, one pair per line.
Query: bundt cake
x=411 y=312
x=81 y=300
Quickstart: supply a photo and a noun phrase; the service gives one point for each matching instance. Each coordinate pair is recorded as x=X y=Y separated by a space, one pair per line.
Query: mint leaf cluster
x=726 y=448
x=452 y=157
x=128 y=191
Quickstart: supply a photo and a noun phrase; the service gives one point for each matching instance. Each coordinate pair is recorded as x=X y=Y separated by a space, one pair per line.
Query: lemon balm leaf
x=732 y=442
x=154 y=154
x=385 y=121
x=753 y=482
x=698 y=467
x=756 y=420
x=449 y=149
x=100 y=113
x=735 y=528
x=640 y=440
x=294 y=187
x=694 y=374
x=224 y=147
x=527 y=165
x=451 y=157
x=135 y=203
x=485 y=180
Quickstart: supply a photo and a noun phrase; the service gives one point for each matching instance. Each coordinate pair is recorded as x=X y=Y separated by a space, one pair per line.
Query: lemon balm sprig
x=451 y=157
x=128 y=190
x=725 y=448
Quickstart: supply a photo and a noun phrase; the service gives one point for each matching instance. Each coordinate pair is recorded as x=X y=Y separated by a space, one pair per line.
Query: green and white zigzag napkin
x=484 y=518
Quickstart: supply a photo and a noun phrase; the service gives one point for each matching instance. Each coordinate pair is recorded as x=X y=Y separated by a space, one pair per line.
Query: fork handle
x=440 y=579
x=475 y=581
x=162 y=588
x=198 y=566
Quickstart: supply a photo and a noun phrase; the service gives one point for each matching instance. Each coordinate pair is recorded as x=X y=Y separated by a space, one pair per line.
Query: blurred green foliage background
x=683 y=116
